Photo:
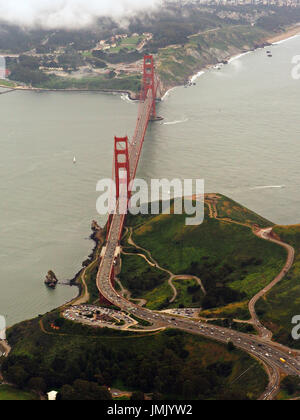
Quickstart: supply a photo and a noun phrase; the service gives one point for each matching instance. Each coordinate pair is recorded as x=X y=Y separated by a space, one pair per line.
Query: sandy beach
x=289 y=33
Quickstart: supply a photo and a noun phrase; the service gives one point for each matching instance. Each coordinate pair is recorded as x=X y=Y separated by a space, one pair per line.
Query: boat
x=74 y=160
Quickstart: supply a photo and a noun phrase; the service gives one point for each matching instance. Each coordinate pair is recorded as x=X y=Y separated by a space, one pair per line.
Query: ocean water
x=238 y=129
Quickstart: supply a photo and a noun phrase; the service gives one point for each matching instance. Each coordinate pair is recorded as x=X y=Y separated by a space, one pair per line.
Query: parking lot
x=99 y=317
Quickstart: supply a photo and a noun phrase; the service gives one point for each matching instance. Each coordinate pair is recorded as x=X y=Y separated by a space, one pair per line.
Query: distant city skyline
x=280 y=3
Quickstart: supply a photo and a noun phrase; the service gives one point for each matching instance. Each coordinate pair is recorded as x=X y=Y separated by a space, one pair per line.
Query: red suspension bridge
x=126 y=159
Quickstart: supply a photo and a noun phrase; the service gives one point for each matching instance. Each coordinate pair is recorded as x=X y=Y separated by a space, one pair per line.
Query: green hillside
x=231 y=261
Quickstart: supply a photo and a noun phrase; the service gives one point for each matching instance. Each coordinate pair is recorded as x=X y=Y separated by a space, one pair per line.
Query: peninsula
x=206 y=276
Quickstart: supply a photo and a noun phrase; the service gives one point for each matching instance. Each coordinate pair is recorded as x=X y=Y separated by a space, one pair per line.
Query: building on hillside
x=52 y=395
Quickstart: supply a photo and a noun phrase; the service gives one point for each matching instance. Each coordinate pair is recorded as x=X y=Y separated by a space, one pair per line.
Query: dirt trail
x=85 y=296
x=150 y=260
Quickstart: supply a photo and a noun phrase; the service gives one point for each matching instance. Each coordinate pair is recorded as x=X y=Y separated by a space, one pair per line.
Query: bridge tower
x=149 y=81
x=122 y=173
x=122 y=176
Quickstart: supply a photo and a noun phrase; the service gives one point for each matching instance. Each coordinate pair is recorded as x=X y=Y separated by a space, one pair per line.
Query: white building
x=52 y=395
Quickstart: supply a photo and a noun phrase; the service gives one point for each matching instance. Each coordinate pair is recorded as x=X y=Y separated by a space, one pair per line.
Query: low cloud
x=52 y=14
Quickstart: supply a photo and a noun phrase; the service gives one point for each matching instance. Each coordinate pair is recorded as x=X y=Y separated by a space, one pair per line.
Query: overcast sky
x=67 y=13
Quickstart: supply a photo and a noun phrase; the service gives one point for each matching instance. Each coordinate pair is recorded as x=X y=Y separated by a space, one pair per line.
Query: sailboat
x=74 y=160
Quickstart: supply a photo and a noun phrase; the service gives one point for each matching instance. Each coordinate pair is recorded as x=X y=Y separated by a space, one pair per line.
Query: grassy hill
x=228 y=208
x=231 y=261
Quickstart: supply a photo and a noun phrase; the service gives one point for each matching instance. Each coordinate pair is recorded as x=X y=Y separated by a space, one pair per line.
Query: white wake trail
x=266 y=187
x=176 y=122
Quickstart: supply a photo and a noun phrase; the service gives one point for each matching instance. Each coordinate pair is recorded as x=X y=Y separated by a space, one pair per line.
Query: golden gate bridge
x=126 y=159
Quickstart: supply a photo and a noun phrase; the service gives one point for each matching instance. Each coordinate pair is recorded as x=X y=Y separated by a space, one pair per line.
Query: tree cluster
x=166 y=369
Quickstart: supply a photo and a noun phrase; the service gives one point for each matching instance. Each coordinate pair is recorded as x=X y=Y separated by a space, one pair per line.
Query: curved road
x=266 y=234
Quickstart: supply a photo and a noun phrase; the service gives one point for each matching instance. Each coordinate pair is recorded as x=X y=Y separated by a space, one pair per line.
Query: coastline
x=131 y=95
x=289 y=33
x=285 y=36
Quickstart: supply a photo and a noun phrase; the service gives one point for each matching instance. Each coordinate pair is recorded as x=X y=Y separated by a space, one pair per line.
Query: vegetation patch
x=289 y=388
x=235 y=310
x=228 y=208
x=141 y=321
x=7 y=83
x=139 y=277
x=237 y=326
x=9 y=393
x=189 y=294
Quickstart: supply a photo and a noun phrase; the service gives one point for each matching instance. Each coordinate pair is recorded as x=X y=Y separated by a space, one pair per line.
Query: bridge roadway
x=267 y=352
x=117 y=224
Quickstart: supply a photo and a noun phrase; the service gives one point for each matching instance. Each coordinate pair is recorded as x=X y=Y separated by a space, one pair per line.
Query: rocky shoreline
x=222 y=61
x=96 y=237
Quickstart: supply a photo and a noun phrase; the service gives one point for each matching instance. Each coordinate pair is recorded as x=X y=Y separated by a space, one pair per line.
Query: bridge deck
x=135 y=149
